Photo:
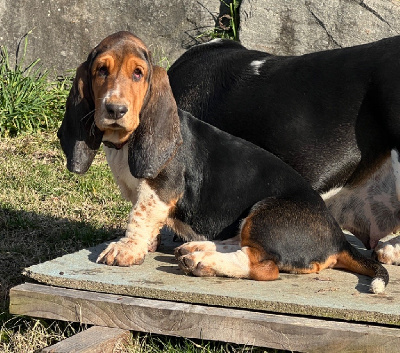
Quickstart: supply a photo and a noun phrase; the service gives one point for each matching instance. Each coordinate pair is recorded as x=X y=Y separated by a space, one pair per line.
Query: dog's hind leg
x=237 y=264
x=226 y=259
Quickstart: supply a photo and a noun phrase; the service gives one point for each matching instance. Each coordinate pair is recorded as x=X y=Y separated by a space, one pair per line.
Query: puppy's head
x=119 y=97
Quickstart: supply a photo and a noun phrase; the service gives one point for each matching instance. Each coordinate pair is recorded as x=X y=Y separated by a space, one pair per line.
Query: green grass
x=28 y=101
x=23 y=335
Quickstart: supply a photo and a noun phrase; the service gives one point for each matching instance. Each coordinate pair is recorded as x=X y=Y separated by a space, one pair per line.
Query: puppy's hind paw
x=194 y=246
x=192 y=266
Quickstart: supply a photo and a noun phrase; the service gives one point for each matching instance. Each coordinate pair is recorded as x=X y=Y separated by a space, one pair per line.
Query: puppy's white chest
x=118 y=162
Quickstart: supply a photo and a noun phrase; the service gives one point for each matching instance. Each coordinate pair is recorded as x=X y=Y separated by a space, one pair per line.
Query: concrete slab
x=331 y=294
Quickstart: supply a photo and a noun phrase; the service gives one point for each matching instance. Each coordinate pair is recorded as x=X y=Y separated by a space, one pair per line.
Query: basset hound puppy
x=334 y=116
x=202 y=182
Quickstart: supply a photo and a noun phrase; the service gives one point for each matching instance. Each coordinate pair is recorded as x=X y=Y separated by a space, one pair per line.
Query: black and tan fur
x=331 y=115
x=203 y=183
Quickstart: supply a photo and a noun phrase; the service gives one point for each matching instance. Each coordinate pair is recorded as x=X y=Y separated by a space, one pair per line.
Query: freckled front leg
x=142 y=234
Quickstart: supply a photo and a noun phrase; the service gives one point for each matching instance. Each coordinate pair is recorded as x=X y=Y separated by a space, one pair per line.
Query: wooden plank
x=96 y=339
x=204 y=322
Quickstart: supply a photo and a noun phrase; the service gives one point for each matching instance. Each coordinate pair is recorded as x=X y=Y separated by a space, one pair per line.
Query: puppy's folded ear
x=158 y=135
x=79 y=137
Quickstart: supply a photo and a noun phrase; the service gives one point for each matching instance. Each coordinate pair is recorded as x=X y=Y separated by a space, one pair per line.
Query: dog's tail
x=352 y=260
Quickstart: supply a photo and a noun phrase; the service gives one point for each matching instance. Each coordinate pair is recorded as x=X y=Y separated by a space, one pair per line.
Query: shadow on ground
x=28 y=238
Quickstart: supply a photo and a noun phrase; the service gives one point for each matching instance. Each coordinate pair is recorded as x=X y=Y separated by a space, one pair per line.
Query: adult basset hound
x=334 y=116
x=203 y=183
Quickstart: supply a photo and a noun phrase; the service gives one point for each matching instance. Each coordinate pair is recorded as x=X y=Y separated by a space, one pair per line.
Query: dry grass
x=21 y=335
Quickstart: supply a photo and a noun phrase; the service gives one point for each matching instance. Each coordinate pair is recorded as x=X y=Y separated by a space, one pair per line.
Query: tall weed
x=29 y=102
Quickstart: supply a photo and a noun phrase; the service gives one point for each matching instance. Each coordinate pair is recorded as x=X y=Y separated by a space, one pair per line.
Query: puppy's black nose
x=116 y=111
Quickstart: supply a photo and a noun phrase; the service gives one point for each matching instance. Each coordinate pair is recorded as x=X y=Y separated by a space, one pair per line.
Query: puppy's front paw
x=388 y=250
x=125 y=252
x=196 y=264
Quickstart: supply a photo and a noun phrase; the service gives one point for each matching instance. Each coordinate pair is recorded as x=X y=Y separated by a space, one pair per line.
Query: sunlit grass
x=29 y=100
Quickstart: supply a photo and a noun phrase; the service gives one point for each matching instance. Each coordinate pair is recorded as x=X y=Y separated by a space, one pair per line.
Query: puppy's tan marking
x=119 y=85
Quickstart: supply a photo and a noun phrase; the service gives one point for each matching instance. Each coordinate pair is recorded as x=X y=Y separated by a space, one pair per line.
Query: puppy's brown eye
x=102 y=71
x=137 y=74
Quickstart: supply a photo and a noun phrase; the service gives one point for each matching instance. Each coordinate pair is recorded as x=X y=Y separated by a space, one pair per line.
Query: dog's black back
x=230 y=176
x=299 y=108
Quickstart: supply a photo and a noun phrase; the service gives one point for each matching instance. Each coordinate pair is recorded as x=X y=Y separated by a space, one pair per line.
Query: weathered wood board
x=251 y=328
x=331 y=294
x=96 y=339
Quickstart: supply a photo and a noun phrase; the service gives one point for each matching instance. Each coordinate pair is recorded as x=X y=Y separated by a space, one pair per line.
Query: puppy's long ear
x=158 y=135
x=79 y=137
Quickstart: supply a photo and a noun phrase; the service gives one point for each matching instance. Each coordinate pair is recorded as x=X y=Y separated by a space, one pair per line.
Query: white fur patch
x=377 y=286
x=332 y=192
x=118 y=162
x=256 y=65
x=396 y=170
x=388 y=250
x=216 y=40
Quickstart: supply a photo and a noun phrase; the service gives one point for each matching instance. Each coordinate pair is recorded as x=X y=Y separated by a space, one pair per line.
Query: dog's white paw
x=193 y=246
x=125 y=252
x=197 y=264
x=388 y=250
x=224 y=246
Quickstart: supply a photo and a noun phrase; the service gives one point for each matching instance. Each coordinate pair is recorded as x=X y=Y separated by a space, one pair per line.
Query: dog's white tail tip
x=377 y=285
